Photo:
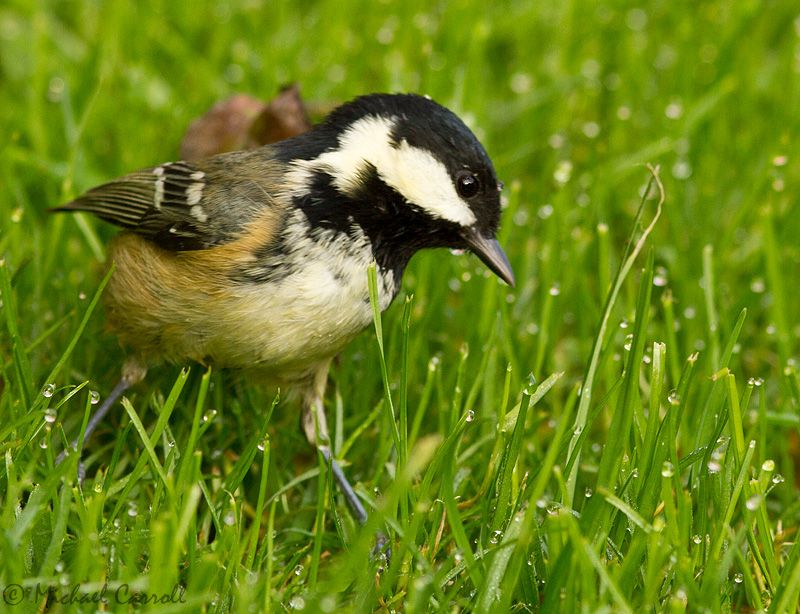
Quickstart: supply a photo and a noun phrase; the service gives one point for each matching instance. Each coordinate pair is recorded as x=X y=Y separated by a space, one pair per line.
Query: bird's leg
x=133 y=371
x=316 y=429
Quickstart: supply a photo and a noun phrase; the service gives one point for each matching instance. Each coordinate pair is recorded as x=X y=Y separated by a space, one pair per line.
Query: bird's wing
x=187 y=206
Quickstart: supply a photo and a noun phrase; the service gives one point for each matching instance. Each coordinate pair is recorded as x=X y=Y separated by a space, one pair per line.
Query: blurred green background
x=571 y=99
x=568 y=97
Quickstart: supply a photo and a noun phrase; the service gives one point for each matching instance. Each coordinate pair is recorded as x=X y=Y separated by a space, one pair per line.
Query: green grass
x=651 y=465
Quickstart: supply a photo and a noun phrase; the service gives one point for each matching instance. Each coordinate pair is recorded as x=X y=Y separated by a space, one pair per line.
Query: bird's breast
x=278 y=312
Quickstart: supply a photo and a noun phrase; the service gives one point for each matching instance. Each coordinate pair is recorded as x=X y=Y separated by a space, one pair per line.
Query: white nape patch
x=158 y=196
x=415 y=173
x=195 y=192
x=198 y=213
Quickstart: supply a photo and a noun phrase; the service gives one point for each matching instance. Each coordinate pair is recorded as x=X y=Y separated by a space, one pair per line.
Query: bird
x=257 y=260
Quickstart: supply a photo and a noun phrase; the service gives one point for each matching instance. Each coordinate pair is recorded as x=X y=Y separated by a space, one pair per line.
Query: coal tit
x=257 y=260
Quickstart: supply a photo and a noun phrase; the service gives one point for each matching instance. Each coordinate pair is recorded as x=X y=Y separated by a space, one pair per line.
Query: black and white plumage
x=257 y=260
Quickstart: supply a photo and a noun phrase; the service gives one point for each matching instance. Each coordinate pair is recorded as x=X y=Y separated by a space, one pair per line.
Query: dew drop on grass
x=458 y=556
x=209 y=415
x=50 y=415
x=48 y=390
x=98 y=487
x=660 y=278
x=229 y=519
x=768 y=465
x=738 y=578
x=674 y=398
x=263 y=444
x=667 y=469
x=555 y=289
x=697 y=539
x=94 y=397
x=588 y=494
x=494 y=538
x=628 y=342
x=43 y=443
x=470 y=416
x=298 y=570
x=297 y=603
x=132 y=511
x=753 y=502
x=777 y=478
x=714 y=466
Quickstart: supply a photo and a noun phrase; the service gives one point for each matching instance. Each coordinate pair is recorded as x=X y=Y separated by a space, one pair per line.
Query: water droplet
x=697 y=539
x=297 y=603
x=578 y=430
x=628 y=342
x=494 y=538
x=738 y=578
x=43 y=443
x=758 y=285
x=661 y=278
x=563 y=172
x=298 y=570
x=624 y=323
x=98 y=487
x=209 y=415
x=555 y=289
x=229 y=519
x=48 y=390
x=674 y=398
x=470 y=416
x=545 y=211
x=50 y=415
x=553 y=508
x=458 y=556
x=132 y=511
x=263 y=444
x=94 y=397
x=667 y=469
x=753 y=502
x=768 y=465
x=777 y=478
x=327 y=604
x=589 y=492
x=714 y=466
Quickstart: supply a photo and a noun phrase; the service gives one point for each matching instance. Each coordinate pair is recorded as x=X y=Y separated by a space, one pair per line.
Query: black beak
x=490 y=252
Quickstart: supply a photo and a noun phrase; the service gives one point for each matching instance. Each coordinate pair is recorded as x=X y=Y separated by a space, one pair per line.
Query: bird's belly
x=165 y=307
x=305 y=318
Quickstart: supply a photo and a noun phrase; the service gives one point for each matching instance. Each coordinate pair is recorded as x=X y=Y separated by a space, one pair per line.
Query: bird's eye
x=468 y=185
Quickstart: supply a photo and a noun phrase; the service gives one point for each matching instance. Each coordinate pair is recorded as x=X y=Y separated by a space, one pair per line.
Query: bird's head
x=412 y=174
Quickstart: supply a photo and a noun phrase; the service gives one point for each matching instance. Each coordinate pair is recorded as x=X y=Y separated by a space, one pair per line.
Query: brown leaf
x=242 y=122
x=284 y=117
x=224 y=127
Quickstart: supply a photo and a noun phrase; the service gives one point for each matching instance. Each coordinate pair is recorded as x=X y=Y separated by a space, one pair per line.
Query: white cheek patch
x=424 y=181
x=415 y=173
